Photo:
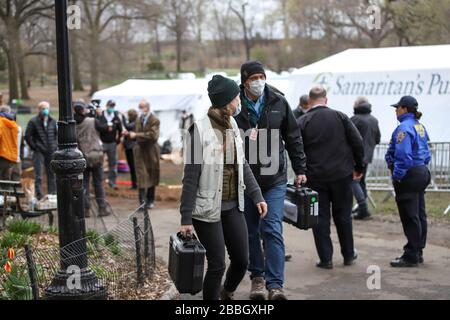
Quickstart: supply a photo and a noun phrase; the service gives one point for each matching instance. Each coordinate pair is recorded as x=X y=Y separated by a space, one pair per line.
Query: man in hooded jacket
x=367 y=126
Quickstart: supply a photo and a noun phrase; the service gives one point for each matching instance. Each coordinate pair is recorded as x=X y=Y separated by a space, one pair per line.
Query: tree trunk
x=12 y=75
x=12 y=62
x=157 y=42
x=178 y=45
x=21 y=66
x=93 y=65
x=77 y=83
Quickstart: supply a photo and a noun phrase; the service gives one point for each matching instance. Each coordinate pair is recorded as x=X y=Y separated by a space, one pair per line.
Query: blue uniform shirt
x=408 y=147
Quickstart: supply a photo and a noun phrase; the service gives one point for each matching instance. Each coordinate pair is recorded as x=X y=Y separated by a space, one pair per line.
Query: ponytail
x=418 y=115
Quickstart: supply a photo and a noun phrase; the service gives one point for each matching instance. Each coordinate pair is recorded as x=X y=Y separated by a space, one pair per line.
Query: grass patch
x=25 y=227
x=436 y=203
x=13 y=240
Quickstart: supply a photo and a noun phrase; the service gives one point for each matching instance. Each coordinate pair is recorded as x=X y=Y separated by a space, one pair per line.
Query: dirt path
x=377 y=242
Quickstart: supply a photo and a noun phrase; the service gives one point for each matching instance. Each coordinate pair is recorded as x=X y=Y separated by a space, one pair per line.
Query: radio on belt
x=186 y=263
x=301 y=207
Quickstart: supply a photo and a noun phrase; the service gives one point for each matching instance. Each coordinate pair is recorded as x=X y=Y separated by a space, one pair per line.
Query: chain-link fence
x=122 y=260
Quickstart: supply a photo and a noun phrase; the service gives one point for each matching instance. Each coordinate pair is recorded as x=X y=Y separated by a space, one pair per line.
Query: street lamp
x=68 y=163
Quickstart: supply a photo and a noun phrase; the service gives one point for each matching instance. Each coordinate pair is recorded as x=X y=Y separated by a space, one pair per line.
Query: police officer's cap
x=408 y=102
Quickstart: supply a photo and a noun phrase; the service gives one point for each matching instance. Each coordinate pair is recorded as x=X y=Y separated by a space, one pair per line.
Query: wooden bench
x=12 y=193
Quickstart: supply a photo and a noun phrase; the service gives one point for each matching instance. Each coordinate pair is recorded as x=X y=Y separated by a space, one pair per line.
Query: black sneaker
x=325 y=265
x=362 y=218
x=401 y=262
x=351 y=261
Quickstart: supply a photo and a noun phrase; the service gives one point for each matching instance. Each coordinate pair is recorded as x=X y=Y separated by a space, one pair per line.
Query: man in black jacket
x=334 y=153
x=270 y=129
x=111 y=138
x=367 y=126
x=302 y=107
x=42 y=137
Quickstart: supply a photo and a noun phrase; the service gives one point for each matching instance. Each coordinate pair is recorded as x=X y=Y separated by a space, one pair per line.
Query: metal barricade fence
x=379 y=176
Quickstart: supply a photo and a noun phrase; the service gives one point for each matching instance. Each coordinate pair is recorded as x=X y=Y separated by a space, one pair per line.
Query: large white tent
x=168 y=98
x=384 y=75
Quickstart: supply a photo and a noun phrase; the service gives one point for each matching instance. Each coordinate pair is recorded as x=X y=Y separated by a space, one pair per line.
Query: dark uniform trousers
x=410 y=198
x=335 y=197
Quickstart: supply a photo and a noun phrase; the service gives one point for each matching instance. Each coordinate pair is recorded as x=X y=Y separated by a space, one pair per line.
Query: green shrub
x=25 y=227
x=112 y=243
x=16 y=285
x=13 y=240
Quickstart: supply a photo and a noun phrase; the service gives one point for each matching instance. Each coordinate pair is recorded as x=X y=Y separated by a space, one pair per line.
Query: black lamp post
x=68 y=163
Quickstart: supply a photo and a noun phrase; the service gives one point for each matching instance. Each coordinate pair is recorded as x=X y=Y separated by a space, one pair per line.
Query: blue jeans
x=267 y=263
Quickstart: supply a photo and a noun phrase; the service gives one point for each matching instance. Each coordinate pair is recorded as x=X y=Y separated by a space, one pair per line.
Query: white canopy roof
x=383 y=59
x=384 y=75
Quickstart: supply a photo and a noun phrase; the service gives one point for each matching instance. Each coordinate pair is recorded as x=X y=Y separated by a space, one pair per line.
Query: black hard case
x=301 y=207
x=186 y=263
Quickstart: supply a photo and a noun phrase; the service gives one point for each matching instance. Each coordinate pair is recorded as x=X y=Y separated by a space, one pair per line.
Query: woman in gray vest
x=216 y=175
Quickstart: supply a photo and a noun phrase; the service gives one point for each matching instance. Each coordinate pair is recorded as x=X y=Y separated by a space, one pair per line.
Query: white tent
x=168 y=98
x=384 y=75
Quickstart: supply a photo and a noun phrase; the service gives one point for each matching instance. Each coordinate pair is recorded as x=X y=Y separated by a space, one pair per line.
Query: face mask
x=257 y=87
x=110 y=110
x=45 y=112
x=238 y=110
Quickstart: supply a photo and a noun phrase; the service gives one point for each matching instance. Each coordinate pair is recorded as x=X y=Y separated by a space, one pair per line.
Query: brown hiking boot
x=258 y=291
x=277 y=294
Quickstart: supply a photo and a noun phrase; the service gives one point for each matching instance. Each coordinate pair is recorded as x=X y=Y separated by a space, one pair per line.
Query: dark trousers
x=410 y=198
x=5 y=169
x=130 y=160
x=147 y=196
x=97 y=178
x=335 y=198
x=231 y=232
x=40 y=160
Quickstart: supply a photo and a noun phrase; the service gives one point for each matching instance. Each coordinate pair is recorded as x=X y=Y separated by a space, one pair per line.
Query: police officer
x=407 y=157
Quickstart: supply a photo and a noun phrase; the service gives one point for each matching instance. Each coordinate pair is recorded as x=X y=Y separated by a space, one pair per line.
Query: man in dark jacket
x=334 y=152
x=270 y=129
x=302 y=107
x=111 y=138
x=42 y=137
x=367 y=126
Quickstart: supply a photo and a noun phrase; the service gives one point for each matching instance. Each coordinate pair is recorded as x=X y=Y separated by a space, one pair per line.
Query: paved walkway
x=377 y=242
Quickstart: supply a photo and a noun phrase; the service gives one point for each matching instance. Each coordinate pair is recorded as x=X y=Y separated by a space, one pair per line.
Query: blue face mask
x=45 y=112
x=238 y=110
x=110 y=110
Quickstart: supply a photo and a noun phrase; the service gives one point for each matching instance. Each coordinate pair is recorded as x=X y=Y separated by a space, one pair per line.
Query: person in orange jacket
x=9 y=149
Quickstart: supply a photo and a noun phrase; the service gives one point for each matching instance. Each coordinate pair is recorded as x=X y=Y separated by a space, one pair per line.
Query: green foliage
x=52 y=230
x=16 y=285
x=2 y=61
x=155 y=66
x=25 y=227
x=13 y=240
x=260 y=54
x=112 y=243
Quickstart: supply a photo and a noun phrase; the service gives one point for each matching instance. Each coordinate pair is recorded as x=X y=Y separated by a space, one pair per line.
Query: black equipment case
x=301 y=207
x=186 y=263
